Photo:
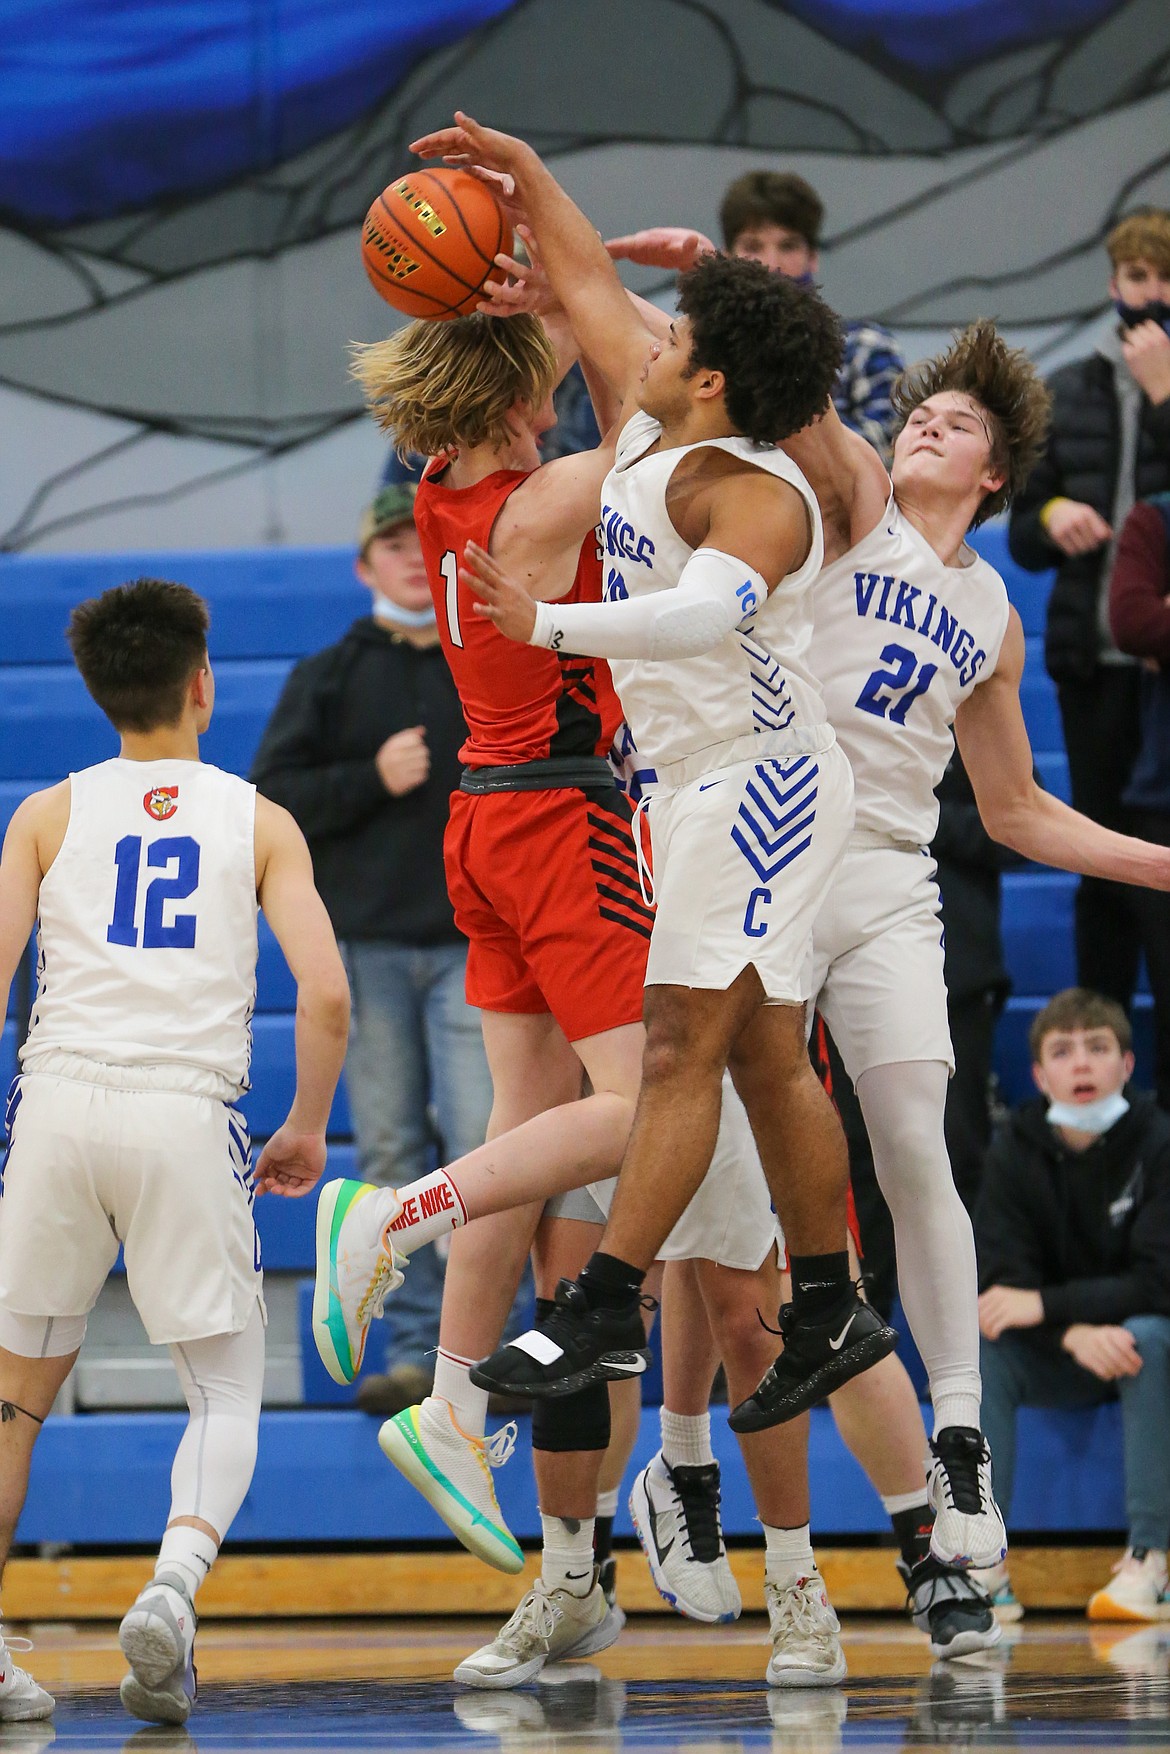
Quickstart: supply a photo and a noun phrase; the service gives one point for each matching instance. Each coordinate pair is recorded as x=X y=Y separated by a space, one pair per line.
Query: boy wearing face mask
x=362 y=749
x=1073 y=1235
x=1109 y=445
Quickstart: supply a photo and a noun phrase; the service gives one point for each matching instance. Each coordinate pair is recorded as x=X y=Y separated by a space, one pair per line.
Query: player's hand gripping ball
x=430 y=241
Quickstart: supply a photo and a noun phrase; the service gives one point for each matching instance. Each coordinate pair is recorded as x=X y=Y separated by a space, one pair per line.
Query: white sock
x=431 y=1207
x=686 y=1439
x=189 y=1553
x=453 y=1384
x=607 y=1502
x=956 y=1409
x=566 y=1559
x=894 y=1503
x=789 y=1555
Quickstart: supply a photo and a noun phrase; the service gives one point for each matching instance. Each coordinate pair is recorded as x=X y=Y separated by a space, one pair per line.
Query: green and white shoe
x=454 y=1474
x=357 y=1266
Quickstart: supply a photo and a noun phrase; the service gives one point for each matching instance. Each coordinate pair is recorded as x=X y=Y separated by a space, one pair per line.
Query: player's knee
x=573 y=1422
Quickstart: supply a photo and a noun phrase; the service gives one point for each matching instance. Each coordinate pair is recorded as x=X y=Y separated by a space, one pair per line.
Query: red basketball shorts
x=545 y=889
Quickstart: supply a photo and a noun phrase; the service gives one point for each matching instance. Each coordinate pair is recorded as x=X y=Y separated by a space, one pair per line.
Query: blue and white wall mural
x=182 y=183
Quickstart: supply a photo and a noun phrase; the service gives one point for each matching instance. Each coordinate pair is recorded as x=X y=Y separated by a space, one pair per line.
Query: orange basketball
x=430 y=239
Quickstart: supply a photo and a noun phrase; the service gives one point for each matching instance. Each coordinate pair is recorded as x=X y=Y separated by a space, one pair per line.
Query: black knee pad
x=572 y=1422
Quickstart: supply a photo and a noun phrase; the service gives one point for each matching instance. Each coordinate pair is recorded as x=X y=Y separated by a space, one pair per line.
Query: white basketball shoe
x=675 y=1513
x=357 y=1267
x=549 y=1626
x=21 y=1697
x=157 y=1637
x=806 y=1635
x=968 y=1528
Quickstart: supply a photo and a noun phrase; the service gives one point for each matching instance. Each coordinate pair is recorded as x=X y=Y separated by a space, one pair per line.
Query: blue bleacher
x=269 y=608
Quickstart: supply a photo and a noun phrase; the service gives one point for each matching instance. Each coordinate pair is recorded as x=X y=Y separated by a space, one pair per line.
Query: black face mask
x=1157 y=311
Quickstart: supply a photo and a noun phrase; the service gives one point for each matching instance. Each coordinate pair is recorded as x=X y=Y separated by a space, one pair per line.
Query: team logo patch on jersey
x=161 y=802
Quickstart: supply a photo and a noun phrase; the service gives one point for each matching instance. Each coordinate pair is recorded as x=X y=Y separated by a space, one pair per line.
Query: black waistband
x=589 y=772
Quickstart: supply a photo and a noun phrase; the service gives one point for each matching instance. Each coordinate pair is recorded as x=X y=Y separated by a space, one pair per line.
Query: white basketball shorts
x=166 y=1175
x=730 y=1220
x=743 y=858
x=877 y=961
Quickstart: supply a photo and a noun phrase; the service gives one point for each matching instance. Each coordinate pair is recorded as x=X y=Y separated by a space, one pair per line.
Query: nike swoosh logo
x=710 y=784
x=837 y=1344
x=658 y=1547
x=635 y=1369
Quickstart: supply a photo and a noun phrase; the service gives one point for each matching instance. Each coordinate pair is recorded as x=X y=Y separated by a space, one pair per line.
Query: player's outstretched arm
x=993 y=742
x=580 y=271
x=294 y=1157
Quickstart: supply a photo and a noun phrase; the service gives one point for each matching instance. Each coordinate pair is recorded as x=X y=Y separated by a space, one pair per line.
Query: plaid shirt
x=862 y=397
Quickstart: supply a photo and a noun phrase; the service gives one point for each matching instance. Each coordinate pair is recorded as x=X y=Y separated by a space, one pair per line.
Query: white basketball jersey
x=147 y=929
x=756 y=680
x=899 y=640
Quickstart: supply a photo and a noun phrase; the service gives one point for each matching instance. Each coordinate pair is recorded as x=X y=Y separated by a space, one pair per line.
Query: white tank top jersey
x=899 y=641
x=147 y=928
x=757 y=679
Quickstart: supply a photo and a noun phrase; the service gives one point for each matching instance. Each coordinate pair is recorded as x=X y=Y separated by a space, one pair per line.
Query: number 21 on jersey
x=891 y=693
x=175 y=850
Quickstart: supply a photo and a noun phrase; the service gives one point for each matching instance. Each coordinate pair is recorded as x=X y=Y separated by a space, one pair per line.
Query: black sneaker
x=817 y=1358
x=950 y=1607
x=576 y=1346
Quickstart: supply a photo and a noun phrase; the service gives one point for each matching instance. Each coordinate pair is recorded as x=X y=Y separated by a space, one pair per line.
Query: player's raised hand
x=503 y=602
x=520 y=286
x=470 y=144
x=661 y=246
x=291 y=1163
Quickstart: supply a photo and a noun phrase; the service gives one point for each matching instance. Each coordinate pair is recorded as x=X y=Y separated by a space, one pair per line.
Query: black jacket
x=1089 y=1230
x=378 y=860
x=1080 y=461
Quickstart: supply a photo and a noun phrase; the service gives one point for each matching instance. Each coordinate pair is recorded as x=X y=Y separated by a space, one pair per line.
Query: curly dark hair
x=778 y=345
x=137 y=647
x=1005 y=383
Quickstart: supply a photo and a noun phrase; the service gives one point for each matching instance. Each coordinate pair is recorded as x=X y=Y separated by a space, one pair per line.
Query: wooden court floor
x=385 y=1685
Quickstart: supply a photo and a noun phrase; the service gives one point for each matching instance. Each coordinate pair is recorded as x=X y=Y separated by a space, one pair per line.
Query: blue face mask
x=397 y=616
x=1157 y=311
x=1089 y=1117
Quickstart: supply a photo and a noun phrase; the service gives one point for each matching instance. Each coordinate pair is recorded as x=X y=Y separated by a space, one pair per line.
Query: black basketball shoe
x=577 y=1345
x=817 y=1358
x=950 y=1607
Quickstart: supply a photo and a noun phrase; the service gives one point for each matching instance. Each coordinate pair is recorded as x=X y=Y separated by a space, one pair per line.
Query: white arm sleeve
x=715 y=592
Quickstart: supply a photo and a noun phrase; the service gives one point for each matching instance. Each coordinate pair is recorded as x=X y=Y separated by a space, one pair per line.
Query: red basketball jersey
x=521 y=703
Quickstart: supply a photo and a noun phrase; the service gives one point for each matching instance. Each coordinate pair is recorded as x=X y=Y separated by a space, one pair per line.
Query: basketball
x=429 y=242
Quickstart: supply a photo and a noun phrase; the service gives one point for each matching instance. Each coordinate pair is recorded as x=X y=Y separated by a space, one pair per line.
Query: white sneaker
x=968 y=1528
x=548 y=1626
x=1138 y=1590
x=157 y=1638
x=454 y=1474
x=995 y=1580
x=806 y=1644
x=357 y=1266
x=675 y=1512
x=21 y=1697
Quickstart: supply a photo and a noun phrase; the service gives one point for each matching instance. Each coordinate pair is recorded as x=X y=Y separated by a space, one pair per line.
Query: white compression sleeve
x=715 y=592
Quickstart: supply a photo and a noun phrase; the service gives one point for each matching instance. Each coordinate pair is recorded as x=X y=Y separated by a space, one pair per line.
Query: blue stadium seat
x=1038 y=929
x=1028 y=591
x=274 y=1079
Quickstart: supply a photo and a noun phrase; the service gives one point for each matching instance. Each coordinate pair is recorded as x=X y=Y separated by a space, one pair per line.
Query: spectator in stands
x=1073 y=1233
x=362 y=748
x=969 y=866
x=775 y=218
x=1109 y=445
x=1139 y=614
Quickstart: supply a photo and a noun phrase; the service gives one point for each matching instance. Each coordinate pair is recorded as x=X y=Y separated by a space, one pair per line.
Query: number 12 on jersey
x=177 y=849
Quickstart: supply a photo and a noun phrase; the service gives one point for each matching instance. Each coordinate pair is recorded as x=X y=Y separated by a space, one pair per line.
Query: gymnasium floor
x=1056 y=1683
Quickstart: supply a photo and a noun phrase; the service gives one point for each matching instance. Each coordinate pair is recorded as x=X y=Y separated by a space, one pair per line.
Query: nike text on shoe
x=675 y=1512
x=968 y=1528
x=952 y=1609
x=22 y=1698
x=454 y=1474
x=806 y=1635
x=549 y=1626
x=357 y=1266
x=817 y=1358
x=576 y=1346
x=157 y=1637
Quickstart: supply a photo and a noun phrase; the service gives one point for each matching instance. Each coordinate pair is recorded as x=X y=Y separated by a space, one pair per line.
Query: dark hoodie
x=1089 y=1230
x=377 y=859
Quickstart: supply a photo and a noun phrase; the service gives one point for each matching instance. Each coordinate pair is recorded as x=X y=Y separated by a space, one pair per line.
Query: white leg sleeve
x=223 y=1380
x=937 y=1275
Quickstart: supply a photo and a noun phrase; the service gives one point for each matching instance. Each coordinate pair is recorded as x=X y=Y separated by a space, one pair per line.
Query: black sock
x=819 y=1282
x=609 y=1283
x=912 y=1528
x=602 y=1538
